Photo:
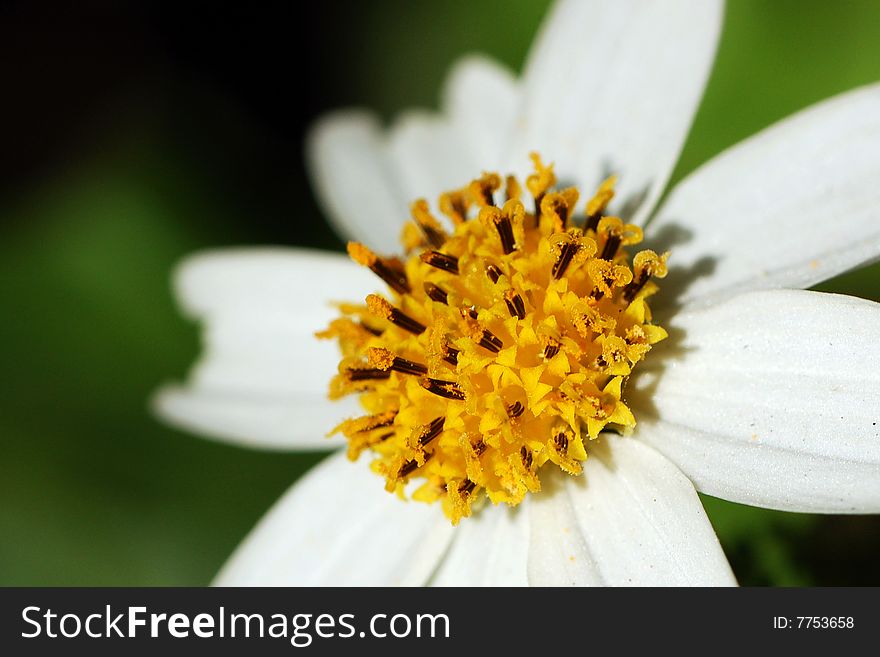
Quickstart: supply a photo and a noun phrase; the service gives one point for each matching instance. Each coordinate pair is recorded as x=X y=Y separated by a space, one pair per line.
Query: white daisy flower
x=514 y=352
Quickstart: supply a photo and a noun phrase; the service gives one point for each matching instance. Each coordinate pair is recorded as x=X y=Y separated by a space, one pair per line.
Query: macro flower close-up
x=535 y=354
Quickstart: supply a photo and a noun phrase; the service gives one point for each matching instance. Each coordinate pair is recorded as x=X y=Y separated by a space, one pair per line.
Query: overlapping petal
x=771 y=399
x=791 y=206
x=263 y=376
x=612 y=87
x=489 y=549
x=366 y=177
x=336 y=526
x=632 y=519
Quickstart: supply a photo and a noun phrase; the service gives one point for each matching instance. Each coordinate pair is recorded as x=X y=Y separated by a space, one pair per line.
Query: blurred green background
x=135 y=135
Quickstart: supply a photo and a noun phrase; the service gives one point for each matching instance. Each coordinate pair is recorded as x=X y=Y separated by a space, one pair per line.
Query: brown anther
x=551 y=349
x=370 y=422
x=526 y=457
x=436 y=293
x=381 y=308
x=450 y=354
x=384 y=360
x=447 y=389
x=366 y=374
x=592 y=222
x=567 y=251
x=482 y=189
x=560 y=441
x=441 y=261
x=431 y=430
x=466 y=487
x=431 y=228
x=515 y=304
x=479 y=447
x=505 y=233
x=411 y=466
x=455 y=206
x=515 y=409
x=372 y=330
x=610 y=248
x=489 y=340
x=493 y=273
x=635 y=286
x=393 y=277
x=596 y=206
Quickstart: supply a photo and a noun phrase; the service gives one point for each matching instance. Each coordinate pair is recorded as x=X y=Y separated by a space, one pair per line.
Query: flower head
x=506 y=346
x=503 y=341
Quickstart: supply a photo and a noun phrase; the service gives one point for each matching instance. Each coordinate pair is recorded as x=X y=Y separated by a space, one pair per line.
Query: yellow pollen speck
x=503 y=345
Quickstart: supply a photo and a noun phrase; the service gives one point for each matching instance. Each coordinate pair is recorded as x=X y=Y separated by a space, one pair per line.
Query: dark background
x=134 y=133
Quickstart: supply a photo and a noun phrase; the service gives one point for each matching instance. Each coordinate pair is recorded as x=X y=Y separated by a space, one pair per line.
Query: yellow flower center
x=503 y=344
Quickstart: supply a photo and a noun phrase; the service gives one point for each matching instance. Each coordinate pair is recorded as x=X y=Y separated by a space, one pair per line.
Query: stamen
x=617 y=234
x=436 y=293
x=560 y=441
x=558 y=206
x=450 y=354
x=596 y=205
x=384 y=360
x=412 y=465
x=633 y=288
x=448 y=389
x=396 y=280
x=539 y=182
x=455 y=206
x=493 y=273
x=441 y=261
x=515 y=304
x=515 y=409
x=366 y=374
x=489 y=340
x=366 y=423
x=431 y=431
x=369 y=329
x=552 y=348
x=483 y=188
x=466 y=487
x=381 y=308
x=645 y=265
x=526 y=456
x=500 y=220
x=513 y=191
x=567 y=252
x=610 y=248
x=434 y=233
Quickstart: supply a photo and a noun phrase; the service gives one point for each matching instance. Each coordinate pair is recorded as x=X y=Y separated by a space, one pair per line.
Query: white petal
x=298 y=422
x=481 y=98
x=354 y=180
x=489 y=549
x=431 y=155
x=263 y=376
x=612 y=87
x=631 y=519
x=771 y=399
x=338 y=527
x=366 y=179
x=436 y=152
x=794 y=205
